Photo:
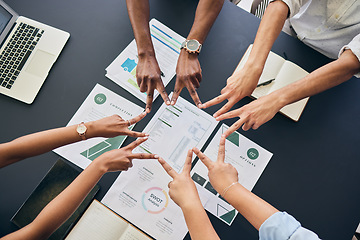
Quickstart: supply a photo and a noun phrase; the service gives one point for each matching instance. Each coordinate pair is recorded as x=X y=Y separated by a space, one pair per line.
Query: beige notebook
x=100 y=223
x=284 y=72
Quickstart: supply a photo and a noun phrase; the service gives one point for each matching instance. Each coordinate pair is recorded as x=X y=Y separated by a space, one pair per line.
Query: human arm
x=242 y=83
x=270 y=223
x=41 y=142
x=148 y=73
x=222 y=175
x=188 y=70
x=183 y=192
x=63 y=206
x=259 y=111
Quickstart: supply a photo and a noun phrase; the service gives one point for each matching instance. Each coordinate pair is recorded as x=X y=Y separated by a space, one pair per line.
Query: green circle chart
x=100 y=98
x=252 y=153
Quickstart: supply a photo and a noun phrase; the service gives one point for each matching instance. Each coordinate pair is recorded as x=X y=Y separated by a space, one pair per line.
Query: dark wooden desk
x=313 y=174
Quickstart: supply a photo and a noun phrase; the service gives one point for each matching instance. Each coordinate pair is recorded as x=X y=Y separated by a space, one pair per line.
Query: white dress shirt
x=328 y=26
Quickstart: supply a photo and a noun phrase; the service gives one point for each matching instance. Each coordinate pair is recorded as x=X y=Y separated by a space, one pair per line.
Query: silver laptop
x=28 y=50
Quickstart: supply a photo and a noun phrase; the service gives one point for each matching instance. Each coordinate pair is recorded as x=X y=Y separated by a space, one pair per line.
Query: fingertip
x=148 y=110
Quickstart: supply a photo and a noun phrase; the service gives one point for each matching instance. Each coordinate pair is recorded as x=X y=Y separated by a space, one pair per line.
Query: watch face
x=81 y=129
x=193 y=45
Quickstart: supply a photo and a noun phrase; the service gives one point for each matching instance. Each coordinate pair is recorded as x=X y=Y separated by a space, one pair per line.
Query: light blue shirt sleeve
x=282 y=226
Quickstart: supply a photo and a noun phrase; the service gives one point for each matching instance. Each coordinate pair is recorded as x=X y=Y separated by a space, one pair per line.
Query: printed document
x=247 y=157
x=140 y=194
x=100 y=103
x=167 y=45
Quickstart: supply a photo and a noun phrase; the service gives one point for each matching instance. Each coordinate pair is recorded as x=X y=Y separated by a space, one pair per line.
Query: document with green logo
x=247 y=157
x=100 y=103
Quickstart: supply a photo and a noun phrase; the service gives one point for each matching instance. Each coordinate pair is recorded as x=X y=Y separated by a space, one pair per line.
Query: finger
x=207 y=162
x=136 y=143
x=169 y=184
x=149 y=99
x=234 y=127
x=130 y=164
x=198 y=77
x=143 y=85
x=143 y=156
x=224 y=109
x=177 y=91
x=187 y=164
x=247 y=125
x=135 y=134
x=194 y=95
x=172 y=173
x=214 y=101
x=231 y=114
x=195 y=81
x=221 y=152
x=137 y=118
x=161 y=89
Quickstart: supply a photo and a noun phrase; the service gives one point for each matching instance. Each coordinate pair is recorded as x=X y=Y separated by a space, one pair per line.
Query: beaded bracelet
x=227 y=188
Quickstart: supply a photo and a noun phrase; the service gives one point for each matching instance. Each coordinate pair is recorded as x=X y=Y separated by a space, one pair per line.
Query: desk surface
x=313 y=173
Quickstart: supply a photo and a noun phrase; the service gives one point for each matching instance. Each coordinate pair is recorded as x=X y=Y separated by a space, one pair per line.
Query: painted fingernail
x=146 y=134
x=156 y=156
x=167 y=102
x=200 y=105
x=172 y=102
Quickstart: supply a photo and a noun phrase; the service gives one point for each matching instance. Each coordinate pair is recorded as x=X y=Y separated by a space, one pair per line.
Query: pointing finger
x=172 y=173
x=143 y=156
x=214 y=101
x=221 y=152
x=207 y=162
x=187 y=164
x=136 y=143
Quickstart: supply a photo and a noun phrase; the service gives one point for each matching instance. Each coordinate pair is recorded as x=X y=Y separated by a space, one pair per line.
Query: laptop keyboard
x=16 y=52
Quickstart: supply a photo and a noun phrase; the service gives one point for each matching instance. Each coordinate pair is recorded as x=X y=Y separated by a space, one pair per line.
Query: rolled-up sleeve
x=354 y=46
x=293 y=5
x=282 y=226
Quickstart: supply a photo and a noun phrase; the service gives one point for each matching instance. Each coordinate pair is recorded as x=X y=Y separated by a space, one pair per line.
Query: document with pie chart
x=140 y=195
x=247 y=157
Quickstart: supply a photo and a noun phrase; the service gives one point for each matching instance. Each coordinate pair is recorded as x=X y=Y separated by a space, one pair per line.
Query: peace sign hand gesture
x=182 y=189
x=221 y=174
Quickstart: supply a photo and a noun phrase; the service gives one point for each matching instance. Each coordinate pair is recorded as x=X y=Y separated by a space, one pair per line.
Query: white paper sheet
x=100 y=103
x=247 y=157
x=140 y=195
x=176 y=129
x=167 y=45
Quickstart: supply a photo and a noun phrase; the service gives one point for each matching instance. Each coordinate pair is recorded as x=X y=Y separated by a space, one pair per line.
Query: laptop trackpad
x=40 y=64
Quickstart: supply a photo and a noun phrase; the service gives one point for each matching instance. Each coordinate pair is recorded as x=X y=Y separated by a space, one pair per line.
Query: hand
x=148 y=76
x=121 y=159
x=188 y=74
x=182 y=189
x=254 y=114
x=114 y=126
x=239 y=85
x=221 y=174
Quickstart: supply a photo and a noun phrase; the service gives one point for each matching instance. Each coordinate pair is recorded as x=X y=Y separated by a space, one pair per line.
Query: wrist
x=191 y=206
x=145 y=53
x=91 y=130
x=100 y=164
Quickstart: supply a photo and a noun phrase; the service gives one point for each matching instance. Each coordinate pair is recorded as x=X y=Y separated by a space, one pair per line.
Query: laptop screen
x=5 y=17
